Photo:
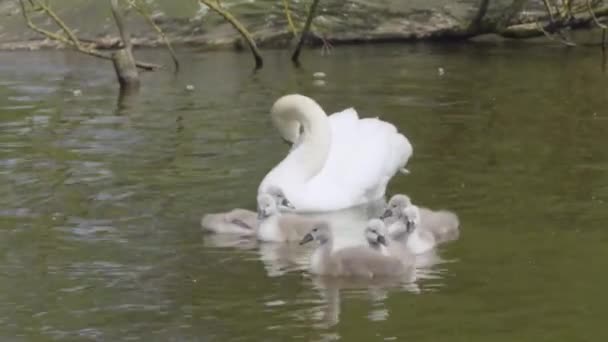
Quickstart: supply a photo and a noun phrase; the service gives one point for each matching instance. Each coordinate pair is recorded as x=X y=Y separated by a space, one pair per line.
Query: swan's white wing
x=364 y=155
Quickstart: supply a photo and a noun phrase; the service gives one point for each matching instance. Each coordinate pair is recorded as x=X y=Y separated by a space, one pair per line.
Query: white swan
x=336 y=162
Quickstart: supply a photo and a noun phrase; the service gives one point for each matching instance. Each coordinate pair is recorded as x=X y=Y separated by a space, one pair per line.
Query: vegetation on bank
x=288 y=23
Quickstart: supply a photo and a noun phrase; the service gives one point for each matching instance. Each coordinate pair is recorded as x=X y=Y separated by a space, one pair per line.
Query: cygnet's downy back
x=246 y=222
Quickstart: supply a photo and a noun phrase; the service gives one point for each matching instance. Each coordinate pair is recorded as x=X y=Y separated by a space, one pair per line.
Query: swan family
x=336 y=162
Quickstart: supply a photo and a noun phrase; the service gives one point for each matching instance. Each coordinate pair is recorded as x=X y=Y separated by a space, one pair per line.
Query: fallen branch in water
x=217 y=8
x=530 y=30
x=69 y=38
x=558 y=28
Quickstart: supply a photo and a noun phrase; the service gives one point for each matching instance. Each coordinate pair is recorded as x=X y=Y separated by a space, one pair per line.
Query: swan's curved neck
x=291 y=112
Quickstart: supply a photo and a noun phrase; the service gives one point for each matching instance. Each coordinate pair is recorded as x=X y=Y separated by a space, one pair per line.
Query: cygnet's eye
x=315 y=230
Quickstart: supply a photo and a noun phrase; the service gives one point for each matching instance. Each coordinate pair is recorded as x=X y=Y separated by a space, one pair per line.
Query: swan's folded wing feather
x=364 y=155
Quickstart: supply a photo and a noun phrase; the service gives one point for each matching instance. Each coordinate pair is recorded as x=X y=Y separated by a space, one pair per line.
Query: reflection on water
x=348 y=230
x=100 y=199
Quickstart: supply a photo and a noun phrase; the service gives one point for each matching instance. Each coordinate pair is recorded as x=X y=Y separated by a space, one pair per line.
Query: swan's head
x=375 y=233
x=289 y=111
x=279 y=197
x=411 y=217
x=396 y=205
x=267 y=206
x=320 y=232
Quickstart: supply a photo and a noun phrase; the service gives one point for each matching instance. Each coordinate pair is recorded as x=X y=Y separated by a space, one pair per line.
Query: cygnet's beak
x=306 y=239
x=387 y=213
x=409 y=226
x=381 y=240
x=285 y=203
x=262 y=214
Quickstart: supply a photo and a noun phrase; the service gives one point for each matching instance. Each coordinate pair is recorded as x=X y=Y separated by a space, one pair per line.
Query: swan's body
x=336 y=162
x=357 y=261
x=442 y=224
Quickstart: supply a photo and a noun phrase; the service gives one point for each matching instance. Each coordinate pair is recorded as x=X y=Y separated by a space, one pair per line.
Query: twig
x=215 y=6
x=553 y=25
x=595 y=19
x=294 y=31
x=550 y=37
x=311 y=14
x=59 y=22
x=141 y=9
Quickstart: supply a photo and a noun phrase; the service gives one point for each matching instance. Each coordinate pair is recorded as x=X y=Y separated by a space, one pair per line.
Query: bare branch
x=142 y=10
x=59 y=22
x=311 y=14
x=481 y=12
x=215 y=6
x=595 y=19
x=294 y=31
x=70 y=42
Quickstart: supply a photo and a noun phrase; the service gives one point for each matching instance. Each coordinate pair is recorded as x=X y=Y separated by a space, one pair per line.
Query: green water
x=100 y=201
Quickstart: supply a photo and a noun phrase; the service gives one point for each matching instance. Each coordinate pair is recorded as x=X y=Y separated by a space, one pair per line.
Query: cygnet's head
x=279 y=197
x=396 y=205
x=411 y=217
x=375 y=233
x=320 y=232
x=267 y=206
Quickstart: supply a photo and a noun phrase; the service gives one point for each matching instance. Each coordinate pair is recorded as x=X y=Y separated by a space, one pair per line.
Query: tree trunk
x=126 y=71
x=124 y=63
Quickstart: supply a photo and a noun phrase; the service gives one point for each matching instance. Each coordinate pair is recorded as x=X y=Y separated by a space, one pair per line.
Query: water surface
x=100 y=199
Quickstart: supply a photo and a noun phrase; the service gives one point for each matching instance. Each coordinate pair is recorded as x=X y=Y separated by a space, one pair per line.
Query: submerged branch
x=529 y=30
x=475 y=24
x=216 y=7
x=295 y=57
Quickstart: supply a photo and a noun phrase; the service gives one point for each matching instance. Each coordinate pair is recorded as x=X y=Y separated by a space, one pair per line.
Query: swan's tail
x=404 y=171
